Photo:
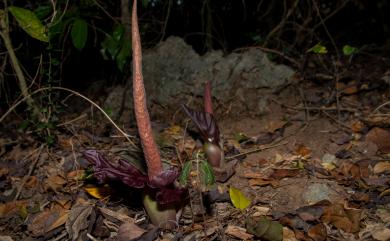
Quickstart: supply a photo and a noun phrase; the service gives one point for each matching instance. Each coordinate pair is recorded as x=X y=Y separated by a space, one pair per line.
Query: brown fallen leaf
x=250 y=174
x=4 y=171
x=279 y=174
x=303 y=151
x=129 y=231
x=46 y=221
x=274 y=125
x=380 y=137
x=54 y=183
x=318 y=232
x=382 y=167
x=12 y=207
x=238 y=232
x=78 y=221
x=357 y=126
x=288 y=235
x=347 y=219
x=263 y=182
x=108 y=213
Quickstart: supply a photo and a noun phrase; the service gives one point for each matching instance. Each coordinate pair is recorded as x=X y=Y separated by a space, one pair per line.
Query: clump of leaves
x=205 y=171
x=161 y=187
x=117 y=47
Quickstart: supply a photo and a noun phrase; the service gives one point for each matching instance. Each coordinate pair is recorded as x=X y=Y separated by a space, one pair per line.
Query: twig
x=341 y=124
x=75 y=93
x=32 y=167
x=73 y=120
x=105 y=11
x=296 y=63
x=256 y=150
x=379 y=107
x=319 y=108
x=166 y=20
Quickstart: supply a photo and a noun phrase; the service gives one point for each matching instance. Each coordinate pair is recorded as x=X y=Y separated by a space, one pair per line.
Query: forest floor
x=315 y=164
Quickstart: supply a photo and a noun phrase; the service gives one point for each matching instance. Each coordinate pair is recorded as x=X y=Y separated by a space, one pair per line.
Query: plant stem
x=151 y=152
x=15 y=63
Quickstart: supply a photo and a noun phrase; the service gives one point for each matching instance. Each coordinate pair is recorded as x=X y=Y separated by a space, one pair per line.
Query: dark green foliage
x=117 y=47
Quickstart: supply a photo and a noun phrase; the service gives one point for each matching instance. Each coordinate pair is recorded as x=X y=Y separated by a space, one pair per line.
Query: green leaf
x=238 y=199
x=207 y=173
x=185 y=172
x=118 y=32
x=318 y=49
x=111 y=46
x=30 y=23
x=79 y=33
x=145 y=3
x=124 y=54
x=43 y=11
x=241 y=137
x=349 y=50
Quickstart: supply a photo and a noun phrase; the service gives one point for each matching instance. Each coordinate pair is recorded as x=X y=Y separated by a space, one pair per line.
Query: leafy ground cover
x=305 y=169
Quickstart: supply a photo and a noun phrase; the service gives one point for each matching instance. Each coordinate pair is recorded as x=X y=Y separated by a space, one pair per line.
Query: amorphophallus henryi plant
x=160 y=194
x=212 y=142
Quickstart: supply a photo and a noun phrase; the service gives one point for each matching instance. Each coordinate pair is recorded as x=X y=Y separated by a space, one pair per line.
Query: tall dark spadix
x=151 y=151
x=160 y=215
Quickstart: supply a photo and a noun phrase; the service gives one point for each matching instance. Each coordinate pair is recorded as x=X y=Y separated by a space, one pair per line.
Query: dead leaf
x=75 y=175
x=99 y=192
x=108 y=213
x=275 y=125
x=129 y=231
x=288 y=235
x=5 y=238
x=170 y=135
x=250 y=174
x=47 y=220
x=3 y=171
x=54 y=183
x=303 y=151
x=12 y=207
x=260 y=211
x=357 y=126
x=347 y=219
x=382 y=235
x=263 y=182
x=351 y=90
x=238 y=232
x=310 y=213
x=381 y=138
x=279 y=174
x=318 y=232
x=78 y=220
x=31 y=182
x=381 y=167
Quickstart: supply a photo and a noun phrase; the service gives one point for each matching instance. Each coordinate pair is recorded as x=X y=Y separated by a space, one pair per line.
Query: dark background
x=289 y=27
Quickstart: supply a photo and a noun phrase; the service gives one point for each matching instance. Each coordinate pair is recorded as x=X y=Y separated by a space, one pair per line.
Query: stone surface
x=174 y=72
x=173 y=68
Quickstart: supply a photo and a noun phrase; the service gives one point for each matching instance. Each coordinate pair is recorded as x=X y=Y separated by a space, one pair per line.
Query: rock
x=173 y=72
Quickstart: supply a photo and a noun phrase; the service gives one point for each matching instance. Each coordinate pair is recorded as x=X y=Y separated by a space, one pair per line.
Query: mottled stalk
x=163 y=217
x=151 y=152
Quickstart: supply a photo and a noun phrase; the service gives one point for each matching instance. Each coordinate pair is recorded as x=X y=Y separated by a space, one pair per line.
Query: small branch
x=256 y=150
x=296 y=63
x=15 y=63
x=32 y=167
